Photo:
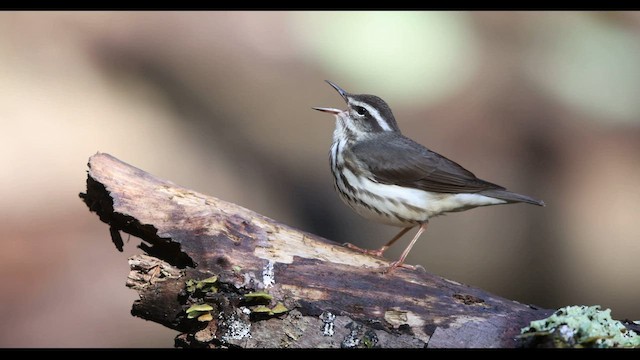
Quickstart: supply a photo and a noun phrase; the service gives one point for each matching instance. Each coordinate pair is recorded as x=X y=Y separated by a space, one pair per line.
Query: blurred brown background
x=544 y=103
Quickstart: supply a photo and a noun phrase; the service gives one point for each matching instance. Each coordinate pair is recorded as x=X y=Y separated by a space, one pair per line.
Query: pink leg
x=384 y=248
x=400 y=262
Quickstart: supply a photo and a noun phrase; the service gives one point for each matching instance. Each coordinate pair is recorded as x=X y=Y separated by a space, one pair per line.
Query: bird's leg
x=400 y=262
x=380 y=251
x=384 y=248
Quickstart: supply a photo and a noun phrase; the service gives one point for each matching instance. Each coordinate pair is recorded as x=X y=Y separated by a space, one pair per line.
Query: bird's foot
x=376 y=253
x=397 y=264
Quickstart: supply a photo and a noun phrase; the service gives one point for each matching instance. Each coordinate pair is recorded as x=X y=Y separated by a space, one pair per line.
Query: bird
x=389 y=178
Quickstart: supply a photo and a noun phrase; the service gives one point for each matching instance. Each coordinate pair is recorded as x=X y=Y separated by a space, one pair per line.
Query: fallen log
x=225 y=276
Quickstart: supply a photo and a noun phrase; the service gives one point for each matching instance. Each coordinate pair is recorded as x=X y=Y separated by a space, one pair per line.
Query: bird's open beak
x=339 y=90
x=332 y=110
x=328 y=110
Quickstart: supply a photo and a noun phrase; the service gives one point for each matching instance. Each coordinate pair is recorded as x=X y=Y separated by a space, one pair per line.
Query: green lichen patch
x=580 y=326
x=199 y=307
x=263 y=310
x=191 y=286
x=202 y=286
x=193 y=315
x=279 y=309
x=209 y=280
x=200 y=315
x=258 y=295
x=370 y=339
x=202 y=312
x=205 y=317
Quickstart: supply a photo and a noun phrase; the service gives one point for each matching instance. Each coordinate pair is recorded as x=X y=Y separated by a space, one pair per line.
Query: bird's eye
x=360 y=110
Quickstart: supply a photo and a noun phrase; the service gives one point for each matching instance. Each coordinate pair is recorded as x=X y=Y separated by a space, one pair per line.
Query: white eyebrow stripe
x=375 y=113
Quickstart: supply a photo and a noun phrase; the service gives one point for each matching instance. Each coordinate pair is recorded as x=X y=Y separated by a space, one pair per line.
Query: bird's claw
x=397 y=264
x=376 y=253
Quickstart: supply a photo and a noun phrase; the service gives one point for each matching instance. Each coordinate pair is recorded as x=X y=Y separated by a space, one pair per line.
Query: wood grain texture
x=334 y=297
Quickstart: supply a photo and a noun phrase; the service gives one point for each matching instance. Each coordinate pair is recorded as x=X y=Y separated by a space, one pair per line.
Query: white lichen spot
x=245 y=310
x=566 y=332
x=268 y=278
x=236 y=328
x=352 y=340
x=328 y=326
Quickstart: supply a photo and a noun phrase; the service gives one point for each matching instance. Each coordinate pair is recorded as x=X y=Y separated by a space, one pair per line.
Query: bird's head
x=365 y=115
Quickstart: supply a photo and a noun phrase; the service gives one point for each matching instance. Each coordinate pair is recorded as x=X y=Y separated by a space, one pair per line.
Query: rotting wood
x=318 y=293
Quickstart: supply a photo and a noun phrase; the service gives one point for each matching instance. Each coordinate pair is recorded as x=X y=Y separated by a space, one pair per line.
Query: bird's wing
x=398 y=160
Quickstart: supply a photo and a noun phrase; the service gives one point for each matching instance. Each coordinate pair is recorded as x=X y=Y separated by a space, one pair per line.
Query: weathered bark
x=332 y=296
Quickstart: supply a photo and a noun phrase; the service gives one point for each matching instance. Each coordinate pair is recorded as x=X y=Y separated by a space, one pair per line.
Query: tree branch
x=269 y=285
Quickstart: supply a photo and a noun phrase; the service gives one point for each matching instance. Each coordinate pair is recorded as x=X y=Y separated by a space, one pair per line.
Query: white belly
x=400 y=206
x=396 y=205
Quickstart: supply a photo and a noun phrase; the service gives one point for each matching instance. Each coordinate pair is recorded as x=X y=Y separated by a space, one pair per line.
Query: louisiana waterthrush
x=389 y=178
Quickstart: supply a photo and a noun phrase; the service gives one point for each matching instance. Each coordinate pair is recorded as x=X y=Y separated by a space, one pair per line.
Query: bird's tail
x=511 y=197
